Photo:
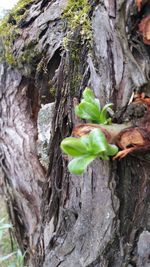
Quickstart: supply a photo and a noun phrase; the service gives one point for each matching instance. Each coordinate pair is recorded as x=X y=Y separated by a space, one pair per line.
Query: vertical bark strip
x=19 y=161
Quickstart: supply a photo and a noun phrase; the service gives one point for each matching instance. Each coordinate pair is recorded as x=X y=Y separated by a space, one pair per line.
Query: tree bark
x=100 y=218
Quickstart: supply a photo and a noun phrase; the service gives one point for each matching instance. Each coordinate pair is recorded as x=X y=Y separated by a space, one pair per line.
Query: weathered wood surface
x=94 y=220
x=23 y=174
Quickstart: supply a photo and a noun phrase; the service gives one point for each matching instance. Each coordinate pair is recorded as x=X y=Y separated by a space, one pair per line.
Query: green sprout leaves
x=78 y=165
x=89 y=109
x=86 y=148
x=74 y=147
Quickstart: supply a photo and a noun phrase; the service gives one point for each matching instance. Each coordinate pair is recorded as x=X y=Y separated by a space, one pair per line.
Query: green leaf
x=98 y=142
x=112 y=150
x=104 y=156
x=74 y=147
x=85 y=140
x=78 y=165
x=88 y=95
x=97 y=103
x=103 y=115
x=82 y=114
x=108 y=121
x=90 y=110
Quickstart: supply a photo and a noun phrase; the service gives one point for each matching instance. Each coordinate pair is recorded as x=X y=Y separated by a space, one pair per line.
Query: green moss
x=30 y=56
x=16 y=13
x=75 y=82
x=19 y=9
x=9 y=30
x=42 y=66
x=52 y=89
x=77 y=16
x=8 y=36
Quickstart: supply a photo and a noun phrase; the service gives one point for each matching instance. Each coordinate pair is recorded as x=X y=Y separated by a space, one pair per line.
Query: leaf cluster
x=88 y=147
x=90 y=109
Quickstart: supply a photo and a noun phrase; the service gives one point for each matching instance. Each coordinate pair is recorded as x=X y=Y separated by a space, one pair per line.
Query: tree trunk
x=100 y=218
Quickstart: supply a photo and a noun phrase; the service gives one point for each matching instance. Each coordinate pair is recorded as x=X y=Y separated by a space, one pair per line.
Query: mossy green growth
x=19 y=10
x=52 y=88
x=7 y=38
x=42 y=66
x=30 y=55
x=9 y=30
x=77 y=16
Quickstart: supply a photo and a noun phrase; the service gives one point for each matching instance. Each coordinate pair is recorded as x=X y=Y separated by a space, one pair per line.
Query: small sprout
x=86 y=148
x=89 y=109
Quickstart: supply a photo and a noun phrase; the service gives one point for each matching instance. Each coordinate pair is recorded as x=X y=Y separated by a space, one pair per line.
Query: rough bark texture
x=99 y=219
